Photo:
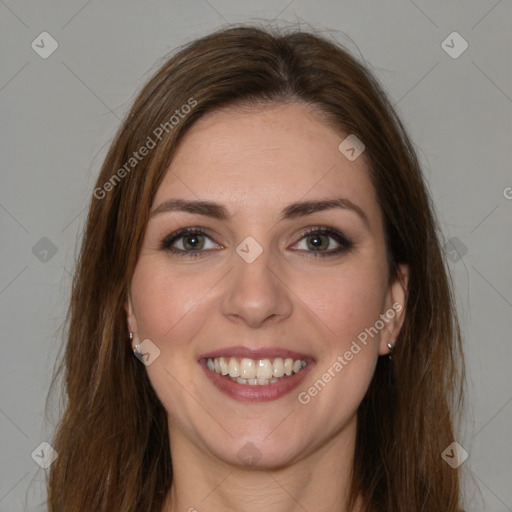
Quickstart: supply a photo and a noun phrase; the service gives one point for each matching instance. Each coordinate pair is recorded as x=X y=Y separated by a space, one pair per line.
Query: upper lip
x=256 y=354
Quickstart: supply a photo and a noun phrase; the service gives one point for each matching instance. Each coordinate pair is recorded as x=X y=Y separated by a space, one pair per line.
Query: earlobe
x=130 y=318
x=395 y=310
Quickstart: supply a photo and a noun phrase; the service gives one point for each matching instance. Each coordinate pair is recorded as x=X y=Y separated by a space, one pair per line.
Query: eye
x=193 y=242
x=188 y=242
x=318 y=239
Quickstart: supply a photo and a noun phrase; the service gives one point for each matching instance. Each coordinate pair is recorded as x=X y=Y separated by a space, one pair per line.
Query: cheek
x=347 y=303
x=348 y=300
x=162 y=300
x=167 y=307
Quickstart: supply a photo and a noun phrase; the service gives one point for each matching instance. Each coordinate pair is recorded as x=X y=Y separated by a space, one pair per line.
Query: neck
x=319 y=481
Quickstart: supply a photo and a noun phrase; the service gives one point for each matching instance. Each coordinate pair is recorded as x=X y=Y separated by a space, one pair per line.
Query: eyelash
x=344 y=242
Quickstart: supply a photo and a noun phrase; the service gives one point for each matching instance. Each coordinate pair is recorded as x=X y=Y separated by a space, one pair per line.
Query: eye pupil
x=192 y=245
x=316 y=240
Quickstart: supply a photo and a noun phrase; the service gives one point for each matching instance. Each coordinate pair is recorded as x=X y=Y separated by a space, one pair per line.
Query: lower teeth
x=253 y=382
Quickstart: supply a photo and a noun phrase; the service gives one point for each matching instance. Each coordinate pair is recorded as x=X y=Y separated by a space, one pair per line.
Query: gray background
x=59 y=114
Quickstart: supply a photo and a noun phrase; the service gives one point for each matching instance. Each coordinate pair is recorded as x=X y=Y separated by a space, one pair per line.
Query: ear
x=130 y=318
x=394 y=312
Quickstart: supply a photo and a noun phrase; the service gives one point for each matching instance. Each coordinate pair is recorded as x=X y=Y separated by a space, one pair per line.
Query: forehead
x=260 y=160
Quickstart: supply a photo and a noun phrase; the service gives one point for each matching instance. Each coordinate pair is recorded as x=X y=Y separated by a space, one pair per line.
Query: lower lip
x=258 y=393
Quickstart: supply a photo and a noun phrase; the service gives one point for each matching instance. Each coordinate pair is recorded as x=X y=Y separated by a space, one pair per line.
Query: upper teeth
x=255 y=369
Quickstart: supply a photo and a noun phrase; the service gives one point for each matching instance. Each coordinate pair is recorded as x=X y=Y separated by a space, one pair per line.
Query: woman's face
x=262 y=286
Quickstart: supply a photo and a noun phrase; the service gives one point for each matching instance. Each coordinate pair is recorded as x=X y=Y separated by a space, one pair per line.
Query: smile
x=259 y=372
x=255 y=375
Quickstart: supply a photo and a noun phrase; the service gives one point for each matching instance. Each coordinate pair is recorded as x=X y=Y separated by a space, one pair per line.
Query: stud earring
x=136 y=347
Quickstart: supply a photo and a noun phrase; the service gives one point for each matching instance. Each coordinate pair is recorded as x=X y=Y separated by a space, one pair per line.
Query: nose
x=257 y=292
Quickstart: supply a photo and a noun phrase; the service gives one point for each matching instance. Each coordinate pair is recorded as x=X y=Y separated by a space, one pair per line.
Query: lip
x=261 y=353
x=247 y=393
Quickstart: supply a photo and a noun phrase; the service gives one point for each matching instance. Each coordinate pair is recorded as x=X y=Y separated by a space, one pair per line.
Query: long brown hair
x=112 y=439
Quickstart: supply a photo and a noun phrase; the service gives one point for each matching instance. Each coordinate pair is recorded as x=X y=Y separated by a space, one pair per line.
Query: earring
x=389 y=344
x=136 y=347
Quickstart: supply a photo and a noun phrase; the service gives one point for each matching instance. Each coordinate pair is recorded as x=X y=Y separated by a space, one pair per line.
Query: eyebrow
x=292 y=211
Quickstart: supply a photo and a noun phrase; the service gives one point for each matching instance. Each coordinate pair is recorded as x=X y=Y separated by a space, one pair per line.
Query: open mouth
x=256 y=372
x=258 y=375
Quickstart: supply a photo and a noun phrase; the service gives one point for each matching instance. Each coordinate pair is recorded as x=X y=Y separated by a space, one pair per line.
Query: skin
x=255 y=163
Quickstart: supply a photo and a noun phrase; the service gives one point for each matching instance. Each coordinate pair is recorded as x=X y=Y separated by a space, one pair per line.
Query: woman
x=261 y=239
